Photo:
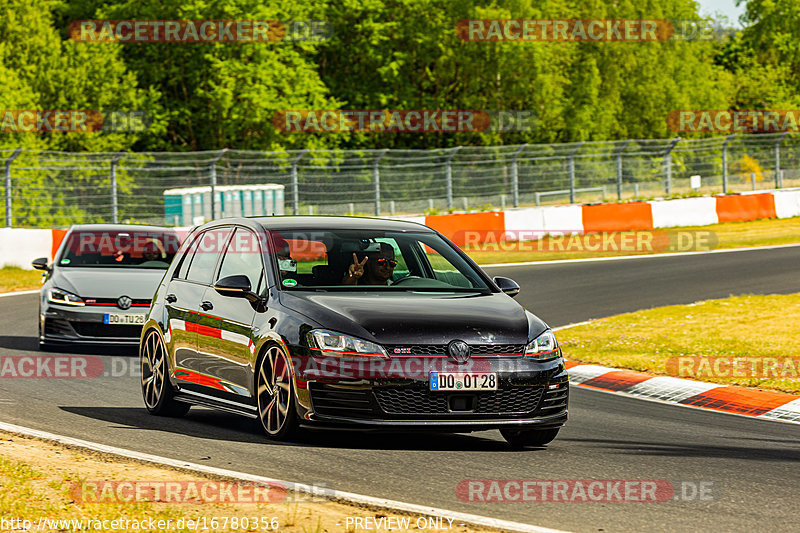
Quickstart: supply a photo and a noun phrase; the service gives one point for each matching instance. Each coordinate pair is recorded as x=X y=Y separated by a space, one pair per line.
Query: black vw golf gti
x=371 y=323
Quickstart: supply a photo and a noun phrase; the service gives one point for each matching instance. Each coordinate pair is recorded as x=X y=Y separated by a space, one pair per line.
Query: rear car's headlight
x=543 y=347
x=60 y=296
x=329 y=343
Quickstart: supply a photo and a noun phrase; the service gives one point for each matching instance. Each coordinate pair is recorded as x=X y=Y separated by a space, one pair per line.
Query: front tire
x=521 y=438
x=275 y=395
x=158 y=394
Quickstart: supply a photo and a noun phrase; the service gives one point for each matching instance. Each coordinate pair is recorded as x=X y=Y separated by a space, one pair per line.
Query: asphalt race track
x=754 y=465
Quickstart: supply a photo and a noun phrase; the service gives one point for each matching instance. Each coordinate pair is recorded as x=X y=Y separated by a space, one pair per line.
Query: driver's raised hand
x=355 y=271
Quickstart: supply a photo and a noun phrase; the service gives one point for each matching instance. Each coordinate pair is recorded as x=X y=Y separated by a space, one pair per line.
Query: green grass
x=652 y=341
x=17 y=279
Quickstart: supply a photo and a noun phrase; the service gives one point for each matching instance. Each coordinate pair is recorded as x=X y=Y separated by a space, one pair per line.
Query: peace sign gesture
x=355 y=271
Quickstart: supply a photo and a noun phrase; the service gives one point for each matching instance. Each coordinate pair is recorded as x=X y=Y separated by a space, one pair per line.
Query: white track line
x=330 y=494
x=643 y=256
x=17 y=293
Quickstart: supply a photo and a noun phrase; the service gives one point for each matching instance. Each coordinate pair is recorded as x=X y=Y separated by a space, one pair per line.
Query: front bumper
x=529 y=394
x=82 y=325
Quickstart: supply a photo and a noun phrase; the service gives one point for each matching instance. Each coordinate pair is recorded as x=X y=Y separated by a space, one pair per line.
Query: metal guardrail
x=51 y=189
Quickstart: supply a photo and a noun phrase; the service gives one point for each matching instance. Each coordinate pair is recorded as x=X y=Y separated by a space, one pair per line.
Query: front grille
x=98 y=329
x=113 y=301
x=328 y=399
x=417 y=401
x=441 y=349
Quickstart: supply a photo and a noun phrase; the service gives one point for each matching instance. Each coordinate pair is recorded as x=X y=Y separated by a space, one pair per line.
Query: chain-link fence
x=52 y=189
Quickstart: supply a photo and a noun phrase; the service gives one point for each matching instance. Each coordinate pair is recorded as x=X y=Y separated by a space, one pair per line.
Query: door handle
x=171 y=298
x=206 y=306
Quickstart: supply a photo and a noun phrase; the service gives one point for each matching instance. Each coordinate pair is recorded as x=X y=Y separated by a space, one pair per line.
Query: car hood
x=418 y=318
x=139 y=284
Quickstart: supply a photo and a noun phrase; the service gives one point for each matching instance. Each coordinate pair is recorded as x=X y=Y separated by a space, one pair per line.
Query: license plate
x=461 y=381
x=112 y=318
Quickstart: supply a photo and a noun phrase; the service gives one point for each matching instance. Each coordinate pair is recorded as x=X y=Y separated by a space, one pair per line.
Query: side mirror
x=233 y=286
x=41 y=264
x=238 y=286
x=507 y=285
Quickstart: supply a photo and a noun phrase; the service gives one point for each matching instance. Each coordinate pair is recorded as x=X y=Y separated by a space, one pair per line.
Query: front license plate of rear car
x=112 y=318
x=461 y=381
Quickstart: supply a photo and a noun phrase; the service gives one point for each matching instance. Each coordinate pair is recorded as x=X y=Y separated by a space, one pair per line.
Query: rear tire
x=275 y=395
x=157 y=392
x=521 y=438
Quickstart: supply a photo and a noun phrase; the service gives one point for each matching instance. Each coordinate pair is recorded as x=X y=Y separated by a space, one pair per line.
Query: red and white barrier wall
x=629 y=216
x=18 y=247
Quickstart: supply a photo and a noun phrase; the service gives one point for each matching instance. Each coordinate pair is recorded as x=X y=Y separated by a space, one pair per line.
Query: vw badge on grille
x=124 y=302
x=459 y=351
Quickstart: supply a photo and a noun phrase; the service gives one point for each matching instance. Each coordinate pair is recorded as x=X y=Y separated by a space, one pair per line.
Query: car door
x=184 y=302
x=227 y=357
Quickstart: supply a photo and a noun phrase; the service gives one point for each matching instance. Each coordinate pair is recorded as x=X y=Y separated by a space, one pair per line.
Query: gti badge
x=459 y=351
x=124 y=302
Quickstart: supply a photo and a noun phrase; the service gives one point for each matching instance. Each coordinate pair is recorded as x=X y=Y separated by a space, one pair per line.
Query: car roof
x=118 y=227
x=293 y=222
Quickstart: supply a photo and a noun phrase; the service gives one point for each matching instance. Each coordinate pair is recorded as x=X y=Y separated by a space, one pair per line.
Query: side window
x=443 y=270
x=208 y=249
x=243 y=257
x=186 y=260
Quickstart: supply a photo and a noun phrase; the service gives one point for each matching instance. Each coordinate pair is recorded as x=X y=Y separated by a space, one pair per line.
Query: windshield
x=351 y=260
x=119 y=249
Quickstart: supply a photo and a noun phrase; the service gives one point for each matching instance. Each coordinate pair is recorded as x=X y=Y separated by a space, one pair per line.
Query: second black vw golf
x=348 y=321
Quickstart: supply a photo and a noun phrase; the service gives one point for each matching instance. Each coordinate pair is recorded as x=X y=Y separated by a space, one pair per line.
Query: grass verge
x=748 y=341
x=16 y=279
x=40 y=480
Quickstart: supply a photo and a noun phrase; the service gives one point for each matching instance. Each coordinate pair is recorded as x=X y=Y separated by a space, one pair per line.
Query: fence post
x=16 y=153
x=296 y=183
x=376 y=179
x=572 y=172
x=668 y=163
x=515 y=177
x=448 y=175
x=619 y=170
x=753 y=180
x=114 y=203
x=725 y=163
x=212 y=177
x=778 y=180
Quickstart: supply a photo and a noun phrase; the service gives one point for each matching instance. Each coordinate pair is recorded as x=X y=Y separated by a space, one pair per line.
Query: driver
x=373 y=269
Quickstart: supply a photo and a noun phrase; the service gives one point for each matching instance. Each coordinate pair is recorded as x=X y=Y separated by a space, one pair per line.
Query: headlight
x=60 y=296
x=543 y=347
x=330 y=343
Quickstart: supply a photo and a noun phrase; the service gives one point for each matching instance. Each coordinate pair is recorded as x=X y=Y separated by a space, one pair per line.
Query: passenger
x=373 y=269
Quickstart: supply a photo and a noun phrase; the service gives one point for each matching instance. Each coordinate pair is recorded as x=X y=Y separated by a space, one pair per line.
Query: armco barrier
x=19 y=247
